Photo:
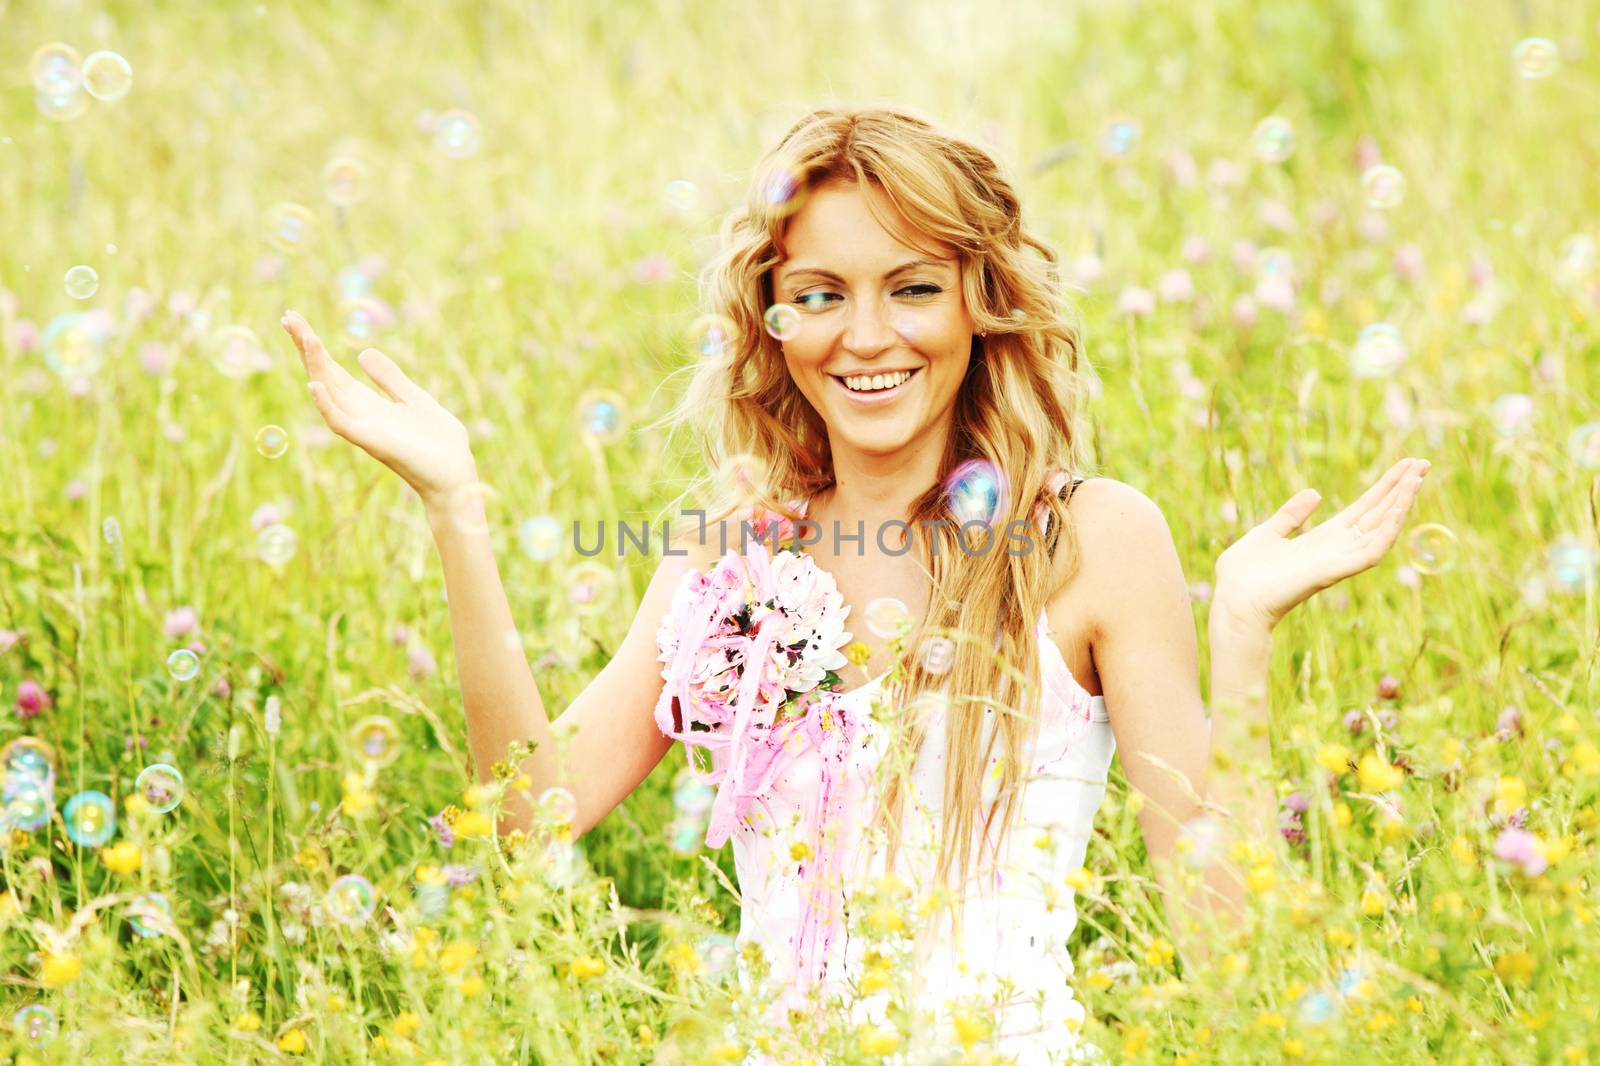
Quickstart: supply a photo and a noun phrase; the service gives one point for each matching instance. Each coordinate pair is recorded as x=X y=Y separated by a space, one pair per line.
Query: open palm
x=1264 y=574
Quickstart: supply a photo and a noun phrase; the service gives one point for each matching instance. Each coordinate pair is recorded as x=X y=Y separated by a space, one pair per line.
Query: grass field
x=511 y=201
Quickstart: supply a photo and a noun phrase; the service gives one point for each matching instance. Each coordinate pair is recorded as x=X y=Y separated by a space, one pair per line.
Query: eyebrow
x=789 y=276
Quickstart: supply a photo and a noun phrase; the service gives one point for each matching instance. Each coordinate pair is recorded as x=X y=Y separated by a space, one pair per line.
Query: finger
x=1381 y=537
x=1376 y=492
x=390 y=378
x=319 y=365
x=337 y=418
x=1293 y=514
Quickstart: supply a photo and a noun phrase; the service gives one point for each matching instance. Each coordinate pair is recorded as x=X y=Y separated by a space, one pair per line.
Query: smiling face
x=873 y=312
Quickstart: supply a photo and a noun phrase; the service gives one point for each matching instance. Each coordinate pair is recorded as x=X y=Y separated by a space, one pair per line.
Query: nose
x=868 y=331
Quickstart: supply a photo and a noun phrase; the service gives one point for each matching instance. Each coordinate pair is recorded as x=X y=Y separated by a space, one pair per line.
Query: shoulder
x=1124 y=542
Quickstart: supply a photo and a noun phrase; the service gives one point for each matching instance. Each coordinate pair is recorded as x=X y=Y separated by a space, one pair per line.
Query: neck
x=876 y=489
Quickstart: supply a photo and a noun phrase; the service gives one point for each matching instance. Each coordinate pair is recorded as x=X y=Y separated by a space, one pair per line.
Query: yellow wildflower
x=1556 y=849
x=586 y=966
x=123 y=858
x=59 y=969
x=1584 y=760
x=1081 y=879
x=1261 y=878
x=875 y=981
x=292 y=1042
x=683 y=958
x=1134 y=1039
x=9 y=907
x=1373 y=901
x=135 y=804
x=452 y=957
x=471 y=986
x=429 y=874
x=358 y=799
x=858 y=652
x=799 y=851
x=248 y=1022
x=1376 y=775
x=969 y=1028
x=1159 y=953
x=1463 y=851
x=1293 y=1048
x=478 y=796
x=406 y=1023
x=1271 y=1019
x=1509 y=794
x=1414 y=1004
x=1342 y=815
x=878 y=1040
x=1515 y=966
x=886 y=920
x=1340 y=938
x=1334 y=758
x=473 y=824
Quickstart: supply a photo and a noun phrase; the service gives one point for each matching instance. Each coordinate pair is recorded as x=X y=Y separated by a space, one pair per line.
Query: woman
x=919 y=326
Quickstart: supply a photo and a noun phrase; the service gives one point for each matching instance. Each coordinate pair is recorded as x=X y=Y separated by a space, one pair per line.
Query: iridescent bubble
x=73 y=345
x=540 y=538
x=276 y=544
x=1120 y=137
x=691 y=795
x=63 y=106
x=1431 y=548
x=29 y=757
x=362 y=318
x=1315 y=1008
x=1575 y=262
x=149 y=914
x=351 y=899
x=82 y=282
x=344 y=181
x=29 y=801
x=457 y=133
x=1349 y=978
x=1273 y=139
x=589 y=587
x=563 y=861
x=712 y=336
x=235 y=351
x=1584 y=446
x=1274 y=263
x=272 y=441
x=106 y=76
x=161 y=785
x=183 y=664
x=1572 y=564
x=558 y=805
x=938 y=654
x=1383 y=185
x=35 y=1023
x=685 y=835
x=976 y=492
x=1200 y=841
x=1535 y=57
x=54 y=68
x=376 y=740
x=1378 y=352
x=290 y=227
x=90 y=818
x=1512 y=414
x=782 y=322
x=719 y=953
x=886 y=616
x=682 y=196
x=600 y=414
x=432 y=900
x=784 y=191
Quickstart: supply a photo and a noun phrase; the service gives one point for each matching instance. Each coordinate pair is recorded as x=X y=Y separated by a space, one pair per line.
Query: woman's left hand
x=1263 y=575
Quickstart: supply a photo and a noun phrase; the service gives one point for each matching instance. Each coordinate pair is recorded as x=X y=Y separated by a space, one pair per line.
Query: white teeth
x=874 y=382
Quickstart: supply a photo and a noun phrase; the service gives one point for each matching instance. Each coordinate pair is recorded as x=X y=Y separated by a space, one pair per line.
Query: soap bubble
x=558 y=805
x=712 y=336
x=351 y=899
x=682 y=196
x=149 y=914
x=938 y=654
x=1512 y=414
x=29 y=756
x=600 y=414
x=1584 y=446
x=457 y=133
x=1572 y=564
x=540 y=538
x=589 y=587
x=161 y=784
x=719 y=952
x=54 y=68
x=183 y=664
x=276 y=544
x=1316 y=1007
x=1379 y=351
x=107 y=76
x=90 y=817
x=1535 y=57
x=784 y=191
x=81 y=282
x=29 y=802
x=782 y=322
x=1120 y=136
x=73 y=344
x=562 y=862
x=1431 y=548
x=691 y=796
x=1273 y=139
x=1575 y=261
x=289 y=227
x=236 y=352
x=344 y=181
x=432 y=900
x=1383 y=185
x=685 y=835
x=976 y=492
x=361 y=318
x=885 y=616
x=376 y=740
x=35 y=1023
x=63 y=106
x=272 y=441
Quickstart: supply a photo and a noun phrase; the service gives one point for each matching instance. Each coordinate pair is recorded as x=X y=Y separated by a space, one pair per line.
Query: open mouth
x=876 y=386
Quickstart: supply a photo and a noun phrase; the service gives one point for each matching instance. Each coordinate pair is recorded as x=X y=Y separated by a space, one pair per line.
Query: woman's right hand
x=408 y=432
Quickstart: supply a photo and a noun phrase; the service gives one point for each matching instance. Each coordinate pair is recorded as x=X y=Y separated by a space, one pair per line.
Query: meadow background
x=1435 y=718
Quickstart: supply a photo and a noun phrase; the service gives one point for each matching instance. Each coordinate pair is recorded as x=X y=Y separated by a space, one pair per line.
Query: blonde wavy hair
x=1018 y=409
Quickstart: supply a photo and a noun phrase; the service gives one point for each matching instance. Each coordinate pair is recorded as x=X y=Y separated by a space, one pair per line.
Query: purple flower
x=153 y=357
x=8 y=639
x=1244 y=312
x=652 y=268
x=265 y=515
x=1275 y=292
x=420 y=663
x=1296 y=801
x=1175 y=286
x=180 y=622
x=447 y=836
x=222 y=690
x=458 y=874
x=1408 y=262
x=197 y=646
x=400 y=636
x=1243 y=253
x=1509 y=724
x=75 y=489
x=1520 y=848
x=1136 y=300
x=1367 y=153
x=25 y=335
x=1196 y=249
x=31 y=699
x=1388 y=687
x=1355 y=721
x=1518 y=819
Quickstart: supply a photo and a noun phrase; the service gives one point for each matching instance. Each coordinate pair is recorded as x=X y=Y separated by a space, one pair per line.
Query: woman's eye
x=812 y=299
x=922 y=289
